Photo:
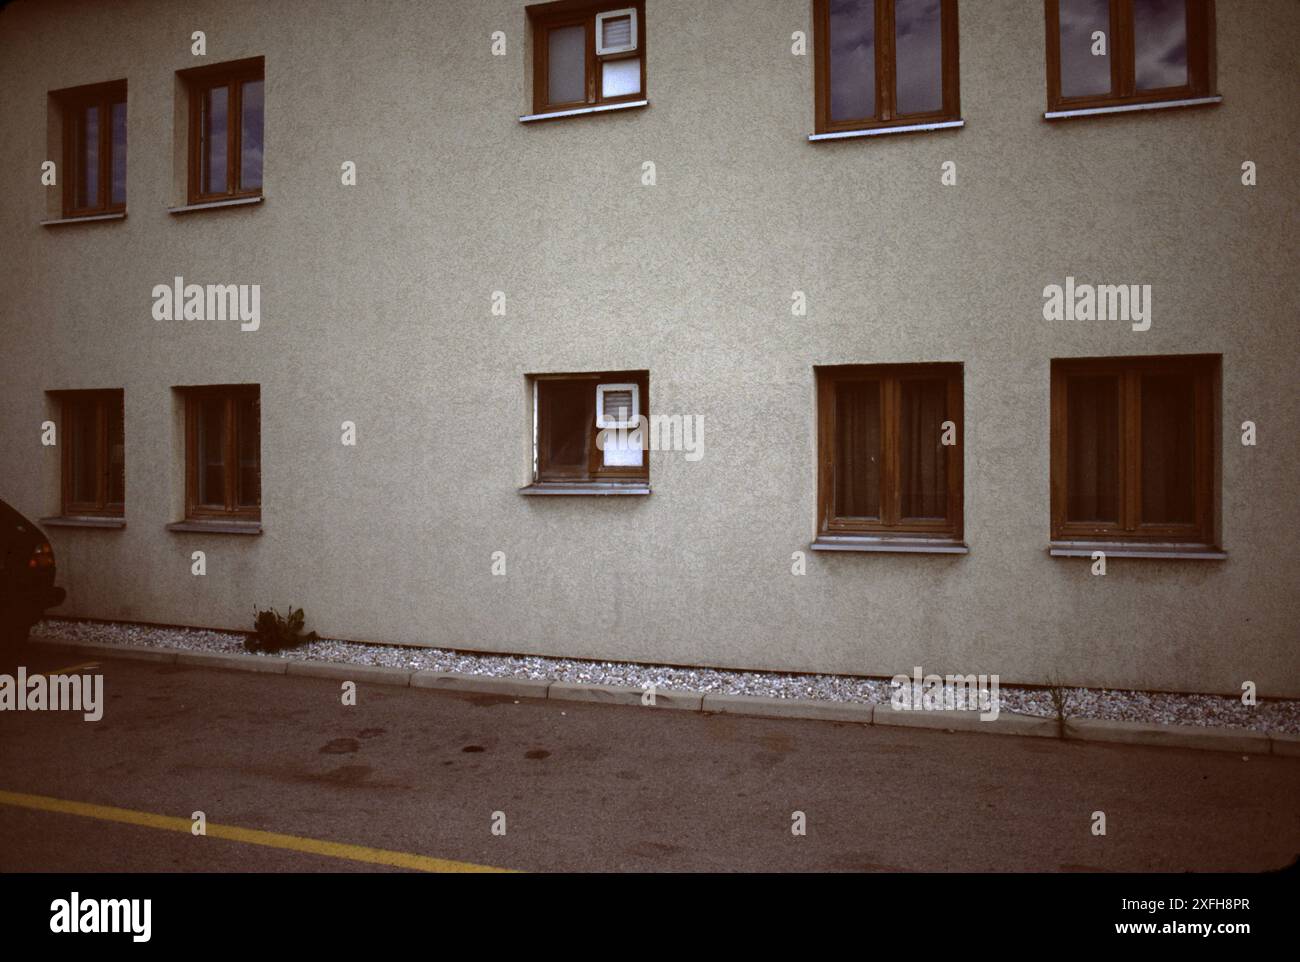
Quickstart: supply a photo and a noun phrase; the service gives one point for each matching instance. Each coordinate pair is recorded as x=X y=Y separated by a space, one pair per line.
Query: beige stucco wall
x=376 y=309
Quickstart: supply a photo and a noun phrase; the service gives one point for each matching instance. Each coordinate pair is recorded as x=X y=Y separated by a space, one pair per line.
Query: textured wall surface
x=376 y=309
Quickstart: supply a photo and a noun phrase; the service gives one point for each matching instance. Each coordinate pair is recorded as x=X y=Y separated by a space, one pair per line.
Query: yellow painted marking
x=249 y=836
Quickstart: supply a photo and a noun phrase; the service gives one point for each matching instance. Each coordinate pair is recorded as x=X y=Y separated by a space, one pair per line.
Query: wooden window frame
x=198 y=82
x=596 y=471
x=1130 y=529
x=545 y=17
x=72 y=104
x=100 y=507
x=1123 y=80
x=231 y=394
x=890 y=525
x=886 y=114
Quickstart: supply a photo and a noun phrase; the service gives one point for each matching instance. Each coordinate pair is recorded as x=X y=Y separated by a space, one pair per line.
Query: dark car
x=26 y=575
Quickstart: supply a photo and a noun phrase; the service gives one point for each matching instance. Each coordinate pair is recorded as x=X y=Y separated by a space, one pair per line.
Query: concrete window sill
x=1130 y=108
x=881 y=131
x=830 y=542
x=215 y=205
x=583 y=111
x=217 y=527
x=1122 y=549
x=586 y=488
x=89 y=219
x=72 y=521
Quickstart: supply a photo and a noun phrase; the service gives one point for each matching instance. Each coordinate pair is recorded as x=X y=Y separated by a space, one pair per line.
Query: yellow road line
x=249 y=836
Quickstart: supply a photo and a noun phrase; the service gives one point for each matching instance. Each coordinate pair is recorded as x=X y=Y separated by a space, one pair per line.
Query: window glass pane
x=211 y=451
x=919 y=54
x=852 y=65
x=119 y=154
x=922 y=458
x=248 y=441
x=620 y=77
x=1168 y=449
x=1160 y=43
x=1092 y=433
x=116 y=451
x=857 y=449
x=250 y=134
x=83 y=426
x=1084 y=73
x=88 y=158
x=568 y=410
x=567 y=65
x=215 y=102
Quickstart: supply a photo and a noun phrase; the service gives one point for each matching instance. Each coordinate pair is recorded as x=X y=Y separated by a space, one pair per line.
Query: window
x=586 y=55
x=590 y=428
x=225 y=130
x=1133 y=449
x=223 y=462
x=1105 y=53
x=94 y=149
x=94 y=453
x=885 y=63
x=890 y=456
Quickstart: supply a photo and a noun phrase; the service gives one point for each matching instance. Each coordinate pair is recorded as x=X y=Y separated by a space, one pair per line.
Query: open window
x=589 y=433
x=587 y=56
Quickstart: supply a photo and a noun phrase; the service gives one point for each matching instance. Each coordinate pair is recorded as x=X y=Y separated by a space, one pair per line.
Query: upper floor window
x=587 y=55
x=94 y=149
x=890 y=454
x=225 y=130
x=1133 y=442
x=94 y=453
x=1103 y=53
x=885 y=63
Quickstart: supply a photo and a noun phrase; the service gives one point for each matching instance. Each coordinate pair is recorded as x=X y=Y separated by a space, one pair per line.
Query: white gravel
x=1272 y=715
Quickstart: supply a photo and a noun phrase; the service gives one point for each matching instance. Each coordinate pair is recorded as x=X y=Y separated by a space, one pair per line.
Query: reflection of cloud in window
x=1082 y=73
x=853 y=59
x=1160 y=43
x=919 y=54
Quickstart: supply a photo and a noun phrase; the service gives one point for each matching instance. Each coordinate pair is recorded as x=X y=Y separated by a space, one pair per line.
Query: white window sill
x=91 y=218
x=214 y=204
x=887 y=545
x=1116 y=549
x=216 y=527
x=881 y=131
x=1130 y=108
x=83 y=521
x=586 y=488
x=578 y=112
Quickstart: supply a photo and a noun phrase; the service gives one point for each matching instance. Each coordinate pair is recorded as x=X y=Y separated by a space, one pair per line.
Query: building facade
x=928 y=317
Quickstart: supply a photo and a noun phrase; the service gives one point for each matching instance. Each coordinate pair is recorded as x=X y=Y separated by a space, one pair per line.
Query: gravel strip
x=1279 y=716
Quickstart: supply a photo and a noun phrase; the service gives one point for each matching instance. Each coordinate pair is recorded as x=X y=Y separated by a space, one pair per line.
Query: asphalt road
x=599 y=788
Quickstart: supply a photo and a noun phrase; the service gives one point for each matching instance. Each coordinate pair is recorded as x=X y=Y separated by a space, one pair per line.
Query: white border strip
x=1130 y=108
x=583 y=110
x=877 y=131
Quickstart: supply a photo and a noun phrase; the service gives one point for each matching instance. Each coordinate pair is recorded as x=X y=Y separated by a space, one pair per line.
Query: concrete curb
x=264 y=664
x=1169 y=736
x=481 y=684
x=1288 y=745
x=620 y=695
x=91 y=648
x=341 y=671
x=763 y=707
x=1239 y=740
x=1007 y=723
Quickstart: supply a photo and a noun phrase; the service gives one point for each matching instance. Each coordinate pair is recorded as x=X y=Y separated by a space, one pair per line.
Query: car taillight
x=42 y=557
